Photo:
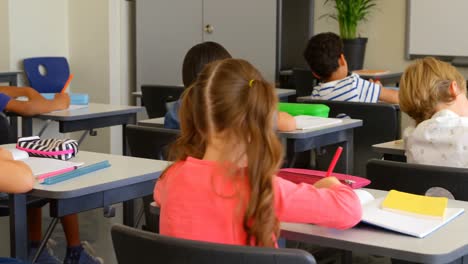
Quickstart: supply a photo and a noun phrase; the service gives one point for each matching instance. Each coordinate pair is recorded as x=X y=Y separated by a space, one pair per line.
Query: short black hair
x=322 y=53
x=198 y=56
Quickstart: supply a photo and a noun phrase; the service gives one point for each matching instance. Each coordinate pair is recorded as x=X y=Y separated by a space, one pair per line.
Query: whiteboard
x=437 y=27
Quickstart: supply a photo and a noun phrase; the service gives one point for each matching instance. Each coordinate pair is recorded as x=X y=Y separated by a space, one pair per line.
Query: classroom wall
x=4 y=37
x=37 y=28
x=99 y=55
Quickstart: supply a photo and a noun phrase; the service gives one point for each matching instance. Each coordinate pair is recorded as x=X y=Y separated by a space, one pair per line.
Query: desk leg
x=18 y=226
x=14 y=127
x=27 y=126
x=346 y=163
x=132 y=120
x=290 y=153
x=129 y=213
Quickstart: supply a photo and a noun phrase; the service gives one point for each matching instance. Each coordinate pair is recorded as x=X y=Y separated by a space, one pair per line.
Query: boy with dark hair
x=325 y=57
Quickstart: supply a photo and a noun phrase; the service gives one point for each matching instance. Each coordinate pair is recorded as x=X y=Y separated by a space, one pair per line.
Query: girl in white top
x=433 y=93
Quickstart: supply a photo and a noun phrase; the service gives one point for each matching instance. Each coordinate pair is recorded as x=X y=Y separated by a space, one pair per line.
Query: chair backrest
x=136 y=246
x=381 y=123
x=417 y=178
x=56 y=74
x=6 y=135
x=304 y=81
x=155 y=98
x=150 y=142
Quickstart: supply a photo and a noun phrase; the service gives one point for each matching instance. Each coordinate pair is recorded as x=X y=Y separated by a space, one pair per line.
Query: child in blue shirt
x=194 y=62
x=195 y=59
x=37 y=104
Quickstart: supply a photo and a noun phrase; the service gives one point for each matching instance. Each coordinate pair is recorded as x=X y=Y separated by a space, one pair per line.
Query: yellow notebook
x=413 y=204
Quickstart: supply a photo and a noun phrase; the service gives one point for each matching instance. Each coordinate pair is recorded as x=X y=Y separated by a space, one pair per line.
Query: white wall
x=98 y=50
x=37 y=28
x=4 y=37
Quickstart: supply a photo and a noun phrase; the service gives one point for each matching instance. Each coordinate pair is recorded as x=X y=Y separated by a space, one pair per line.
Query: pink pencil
x=334 y=161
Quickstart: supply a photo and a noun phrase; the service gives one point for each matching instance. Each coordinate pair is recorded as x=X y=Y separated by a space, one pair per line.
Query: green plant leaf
x=349 y=13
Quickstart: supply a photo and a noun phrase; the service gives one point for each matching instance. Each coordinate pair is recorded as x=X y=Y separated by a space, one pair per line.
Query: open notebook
x=403 y=223
x=44 y=167
x=310 y=122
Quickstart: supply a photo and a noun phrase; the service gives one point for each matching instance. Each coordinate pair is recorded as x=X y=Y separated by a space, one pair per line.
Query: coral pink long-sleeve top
x=199 y=201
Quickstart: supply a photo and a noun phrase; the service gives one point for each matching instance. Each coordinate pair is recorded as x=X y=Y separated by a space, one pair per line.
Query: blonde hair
x=224 y=99
x=424 y=84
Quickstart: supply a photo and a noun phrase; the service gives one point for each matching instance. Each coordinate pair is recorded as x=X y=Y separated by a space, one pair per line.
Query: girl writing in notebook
x=222 y=186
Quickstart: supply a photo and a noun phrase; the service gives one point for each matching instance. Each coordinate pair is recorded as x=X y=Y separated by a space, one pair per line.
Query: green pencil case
x=296 y=109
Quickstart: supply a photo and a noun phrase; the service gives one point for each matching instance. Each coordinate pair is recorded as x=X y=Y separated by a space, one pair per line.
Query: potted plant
x=349 y=14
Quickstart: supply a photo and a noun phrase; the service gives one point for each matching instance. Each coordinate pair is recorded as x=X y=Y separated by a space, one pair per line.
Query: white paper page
x=309 y=122
x=18 y=154
x=410 y=225
x=41 y=166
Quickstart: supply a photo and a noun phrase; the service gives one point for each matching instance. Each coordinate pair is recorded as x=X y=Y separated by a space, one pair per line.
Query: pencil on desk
x=67 y=83
x=334 y=161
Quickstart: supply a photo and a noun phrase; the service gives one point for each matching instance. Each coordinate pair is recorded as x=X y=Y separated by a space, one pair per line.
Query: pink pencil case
x=62 y=149
x=312 y=176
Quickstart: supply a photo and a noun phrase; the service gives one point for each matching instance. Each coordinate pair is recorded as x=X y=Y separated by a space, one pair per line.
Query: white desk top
x=152 y=122
x=346 y=124
x=442 y=246
x=396 y=147
x=124 y=170
x=281 y=92
x=93 y=110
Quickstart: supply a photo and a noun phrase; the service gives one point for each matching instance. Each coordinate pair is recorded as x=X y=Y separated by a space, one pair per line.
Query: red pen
x=334 y=161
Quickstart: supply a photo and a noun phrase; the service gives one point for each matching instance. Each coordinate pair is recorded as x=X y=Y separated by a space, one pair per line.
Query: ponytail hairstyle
x=231 y=97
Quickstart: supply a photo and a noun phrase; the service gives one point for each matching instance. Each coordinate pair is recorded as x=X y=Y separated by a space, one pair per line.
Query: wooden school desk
x=283 y=94
x=392 y=150
x=92 y=117
x=303 y=140
x=444 y=245
x=128 y=178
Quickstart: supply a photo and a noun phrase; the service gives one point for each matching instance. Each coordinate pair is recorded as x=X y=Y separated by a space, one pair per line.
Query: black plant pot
x=354 y=51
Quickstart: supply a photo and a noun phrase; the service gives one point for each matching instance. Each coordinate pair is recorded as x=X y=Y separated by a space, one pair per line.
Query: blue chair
x=56 y=73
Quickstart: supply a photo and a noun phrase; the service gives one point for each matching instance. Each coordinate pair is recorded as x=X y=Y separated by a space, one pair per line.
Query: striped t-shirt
x=351 y=88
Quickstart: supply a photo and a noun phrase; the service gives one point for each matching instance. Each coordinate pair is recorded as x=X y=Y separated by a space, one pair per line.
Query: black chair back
x=136 y=246
x=155 y=97
x=6 y=135
x=150 y=142
x=304 y=82
x=417 y=178
x=381 y=123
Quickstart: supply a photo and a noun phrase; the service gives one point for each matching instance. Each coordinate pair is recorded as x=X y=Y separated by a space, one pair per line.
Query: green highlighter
x=296 y=109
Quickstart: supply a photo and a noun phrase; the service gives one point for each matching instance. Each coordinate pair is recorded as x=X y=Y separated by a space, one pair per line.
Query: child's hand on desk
x=327 y=182
x=376 y=82
x=62 y=101
x=5 y=154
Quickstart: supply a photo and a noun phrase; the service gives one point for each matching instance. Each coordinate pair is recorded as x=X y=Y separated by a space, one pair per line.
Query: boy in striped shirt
x=324 y=54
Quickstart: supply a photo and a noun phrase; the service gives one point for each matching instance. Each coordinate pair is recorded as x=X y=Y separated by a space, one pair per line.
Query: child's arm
x=327 y=203
x=15 y=176
x=36 y=103
x=386 y=94
x=389 y=96
x=286 y=122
